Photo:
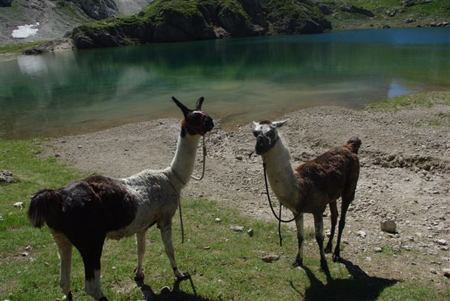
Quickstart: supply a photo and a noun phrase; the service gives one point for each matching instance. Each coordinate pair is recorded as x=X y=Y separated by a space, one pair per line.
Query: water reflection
x=242 y=79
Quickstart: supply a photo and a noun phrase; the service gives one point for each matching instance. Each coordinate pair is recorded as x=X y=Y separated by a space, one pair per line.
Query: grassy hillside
x=388 y=12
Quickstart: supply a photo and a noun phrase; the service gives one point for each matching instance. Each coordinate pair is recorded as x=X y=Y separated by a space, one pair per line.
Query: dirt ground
x=405 y=176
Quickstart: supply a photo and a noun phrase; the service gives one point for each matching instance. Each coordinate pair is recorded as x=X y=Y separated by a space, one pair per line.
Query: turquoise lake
x=241 y=79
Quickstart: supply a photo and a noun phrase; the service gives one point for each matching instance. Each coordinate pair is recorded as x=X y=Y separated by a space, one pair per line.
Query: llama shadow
x=359 y=287
x=175 y=294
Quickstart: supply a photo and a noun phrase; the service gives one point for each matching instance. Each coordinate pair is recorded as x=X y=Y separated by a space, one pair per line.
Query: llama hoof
x=324 y=267
x=139 y=277
x=103 y=299
x=69 y=296
x=336 y=258
x=297 y=263
x=183 y=276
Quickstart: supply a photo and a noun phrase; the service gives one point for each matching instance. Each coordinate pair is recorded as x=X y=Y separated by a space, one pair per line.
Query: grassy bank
x=18 y=48
x=224 y=265
x=411 y=101
x=388 y=12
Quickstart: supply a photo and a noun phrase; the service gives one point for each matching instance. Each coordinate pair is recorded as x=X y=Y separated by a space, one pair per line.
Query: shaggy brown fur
x=336 y=174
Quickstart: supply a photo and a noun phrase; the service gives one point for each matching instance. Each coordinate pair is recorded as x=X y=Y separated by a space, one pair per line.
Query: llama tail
x=45 y=206
x=353 y=144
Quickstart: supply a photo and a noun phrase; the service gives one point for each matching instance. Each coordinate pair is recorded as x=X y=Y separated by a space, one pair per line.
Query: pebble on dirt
x=388 y=226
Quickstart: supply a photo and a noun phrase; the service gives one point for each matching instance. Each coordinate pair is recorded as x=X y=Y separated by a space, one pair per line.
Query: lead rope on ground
x=195 y=178
x=273 y=211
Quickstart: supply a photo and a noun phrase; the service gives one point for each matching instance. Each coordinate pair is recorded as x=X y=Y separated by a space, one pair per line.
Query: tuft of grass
x=224 y=265
x=411 y=101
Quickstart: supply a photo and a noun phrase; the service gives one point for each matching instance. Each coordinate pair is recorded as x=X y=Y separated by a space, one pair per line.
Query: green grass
x=18 y=48
x=224 y=265
x=411 y=101
x=436 y=11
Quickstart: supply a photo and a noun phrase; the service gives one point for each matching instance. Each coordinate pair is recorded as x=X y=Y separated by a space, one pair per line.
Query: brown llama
x=312 y=186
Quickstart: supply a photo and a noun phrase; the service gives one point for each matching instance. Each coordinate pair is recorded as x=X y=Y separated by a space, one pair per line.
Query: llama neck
x=182 y=164
x=281 y=175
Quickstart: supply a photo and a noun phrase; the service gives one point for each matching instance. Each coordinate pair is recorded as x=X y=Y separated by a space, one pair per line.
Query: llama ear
x=198 y=105
x=255 y=124
x=277 y=124
x=181 y=106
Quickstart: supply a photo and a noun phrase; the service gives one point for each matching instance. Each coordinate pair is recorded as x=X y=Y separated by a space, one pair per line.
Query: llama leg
x=65 y=254
x=166 y=235
x=140 y=240
x=318 y=225
x=337 y=251
x=300 y=235
x=334 y=216
x=91 y=254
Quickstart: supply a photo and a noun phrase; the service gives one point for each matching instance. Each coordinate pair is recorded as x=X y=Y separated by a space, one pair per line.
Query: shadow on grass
x=175 y=294
x=359 y=287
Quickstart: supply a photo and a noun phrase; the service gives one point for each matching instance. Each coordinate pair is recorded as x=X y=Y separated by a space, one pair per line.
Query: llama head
x=195 y=121
x=266 y=135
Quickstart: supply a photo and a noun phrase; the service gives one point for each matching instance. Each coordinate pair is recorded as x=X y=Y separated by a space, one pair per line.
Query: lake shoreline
x=404 y=159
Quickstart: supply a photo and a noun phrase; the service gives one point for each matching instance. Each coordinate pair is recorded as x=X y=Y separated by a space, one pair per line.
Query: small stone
x=217 y=220
x=80 y=146
x=19 y=205
x=250 y=232
x=270 y=258
x=28 y=248
x=237 y=228
x=446 y=272
x=239 y=158
x=441 y=242
x=165 y=290
x=362 y=233
x=6 y=176
x=433 y=271
x=377 y=249
x=24 y=254
x=388 y=226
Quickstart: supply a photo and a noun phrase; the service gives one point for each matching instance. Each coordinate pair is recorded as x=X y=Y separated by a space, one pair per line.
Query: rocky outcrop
x=356 y=10
x=5 y=3
x=409 y=3
x=177 y=20
x=97 y=9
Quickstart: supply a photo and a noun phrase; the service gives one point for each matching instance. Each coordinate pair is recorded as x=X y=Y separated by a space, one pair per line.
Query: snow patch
x=25 y=31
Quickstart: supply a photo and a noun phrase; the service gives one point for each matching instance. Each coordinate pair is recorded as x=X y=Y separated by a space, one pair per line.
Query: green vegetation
x=223 y=264
x=18 y=48
x=388 y=12
x=411 y=101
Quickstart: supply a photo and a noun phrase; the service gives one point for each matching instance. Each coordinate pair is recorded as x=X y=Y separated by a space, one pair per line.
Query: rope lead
x=273 y=211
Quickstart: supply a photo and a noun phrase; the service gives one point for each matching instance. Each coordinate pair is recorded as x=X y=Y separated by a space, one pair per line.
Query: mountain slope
x=181 y=20
x=56 y=17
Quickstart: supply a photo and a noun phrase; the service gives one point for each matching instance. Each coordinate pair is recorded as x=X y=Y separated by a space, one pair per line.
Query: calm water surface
x=241 y=79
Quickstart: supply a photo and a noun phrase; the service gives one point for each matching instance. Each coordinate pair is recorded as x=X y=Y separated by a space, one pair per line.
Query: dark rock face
x=409 y=3
x=5 y=3
x=356 y=10
x=176 y=21
x=97 y=9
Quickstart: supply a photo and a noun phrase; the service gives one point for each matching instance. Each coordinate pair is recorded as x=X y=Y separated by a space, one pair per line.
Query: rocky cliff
x=181 y=20
x=51 y=19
